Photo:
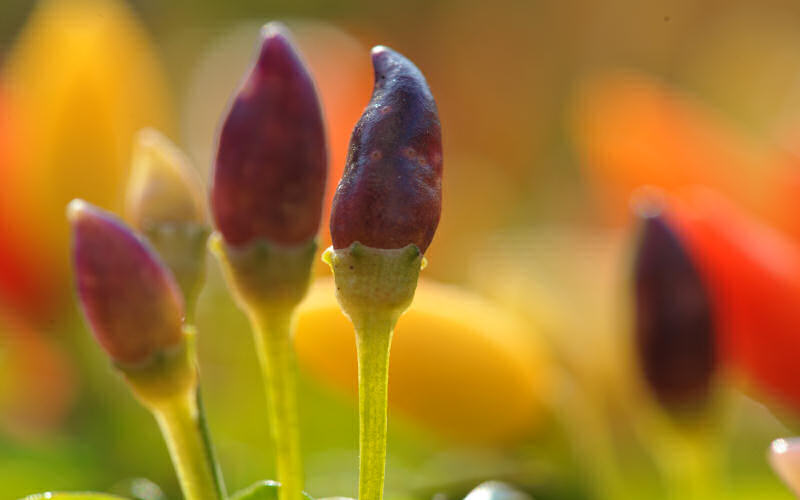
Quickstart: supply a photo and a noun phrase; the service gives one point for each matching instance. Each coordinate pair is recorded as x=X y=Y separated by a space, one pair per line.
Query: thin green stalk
x=202 y=424
x=181 y=424
x=374 y=338
x=689 y=464
x=276 y=355
x=589 y=428
x=688 y=453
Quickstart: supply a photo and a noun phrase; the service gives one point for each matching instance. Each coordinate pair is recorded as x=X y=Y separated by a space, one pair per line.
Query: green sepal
x=262 y=490
x=496 y=490
x=167 y=375
x=265 y=276
x=72 y=496
x=374 y=287
x=182 y=247
x=375 y=281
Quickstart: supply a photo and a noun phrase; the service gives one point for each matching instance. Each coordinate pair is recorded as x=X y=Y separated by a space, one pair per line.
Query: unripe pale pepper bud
x=163 y=187
x=269 y=175
x=674 y=318
x=129 y=298
x=390 y=195
x=165 y=203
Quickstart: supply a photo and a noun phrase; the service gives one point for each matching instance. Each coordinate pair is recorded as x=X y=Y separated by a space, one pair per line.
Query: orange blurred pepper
x=37 y=382
x=631 y=129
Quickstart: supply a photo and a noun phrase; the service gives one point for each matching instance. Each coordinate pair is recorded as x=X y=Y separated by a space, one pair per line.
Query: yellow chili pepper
x=460 y=365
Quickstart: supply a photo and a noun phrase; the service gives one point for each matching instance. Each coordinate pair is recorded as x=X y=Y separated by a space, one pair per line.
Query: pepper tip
x=76 y=208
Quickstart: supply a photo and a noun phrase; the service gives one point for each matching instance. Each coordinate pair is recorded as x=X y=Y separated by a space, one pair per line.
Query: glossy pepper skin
x=390 y=195
x=129 y=298
x=674 y=317
x=269 y=174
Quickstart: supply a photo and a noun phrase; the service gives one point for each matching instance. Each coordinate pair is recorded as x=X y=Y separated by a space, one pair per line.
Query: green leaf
x=86 y=495
x=262 y=490
x=495 y=490
x=138 y=488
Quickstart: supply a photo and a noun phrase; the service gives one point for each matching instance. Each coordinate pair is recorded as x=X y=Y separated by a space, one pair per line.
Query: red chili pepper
x=753 y=272
x=28 y=281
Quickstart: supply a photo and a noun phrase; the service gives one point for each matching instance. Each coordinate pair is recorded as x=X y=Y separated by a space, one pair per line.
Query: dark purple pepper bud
x=269 y=175
x=129 y=298
x=391 y=192
x=674 y=325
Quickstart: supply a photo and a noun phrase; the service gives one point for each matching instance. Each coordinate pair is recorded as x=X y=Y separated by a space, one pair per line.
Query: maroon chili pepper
x=269 y=175
x=674 y=325
x=390 y=195
x=130 y=299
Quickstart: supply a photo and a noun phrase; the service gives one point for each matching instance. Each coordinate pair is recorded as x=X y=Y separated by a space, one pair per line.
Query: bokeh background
x=517 y=361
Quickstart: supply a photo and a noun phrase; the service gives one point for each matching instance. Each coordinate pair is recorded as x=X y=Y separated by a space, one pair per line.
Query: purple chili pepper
x=674 y=324
x=269 y=175
x=130 y=299
x=391 y=192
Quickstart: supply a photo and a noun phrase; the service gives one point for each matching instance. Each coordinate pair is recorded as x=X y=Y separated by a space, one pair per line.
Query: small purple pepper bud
x=129 y=298
x=390 y=195
x=674 y=324
x=269 y=175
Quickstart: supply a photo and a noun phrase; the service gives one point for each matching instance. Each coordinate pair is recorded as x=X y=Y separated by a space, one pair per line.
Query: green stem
x=590 y=429
x=374 y=286
x=689 y=466
x=209 y=448
x=686 y=450
x=273 y=343
x=181 y=424
x=202 y=423
x=374 y=338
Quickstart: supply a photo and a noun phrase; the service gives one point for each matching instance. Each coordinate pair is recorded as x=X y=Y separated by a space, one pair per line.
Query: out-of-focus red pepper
x=37 y=382
x=72 y=135
x=24 y=282
x=753 y=272
x=37 y=386
x=783 y=209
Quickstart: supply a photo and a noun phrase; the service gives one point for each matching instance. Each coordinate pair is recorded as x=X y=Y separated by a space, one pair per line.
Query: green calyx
x=372 y=281
x=268 y=282
x=168 y=374
x=374 y=287
x=182 y=247
x=264 y=276
x=167 y=385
